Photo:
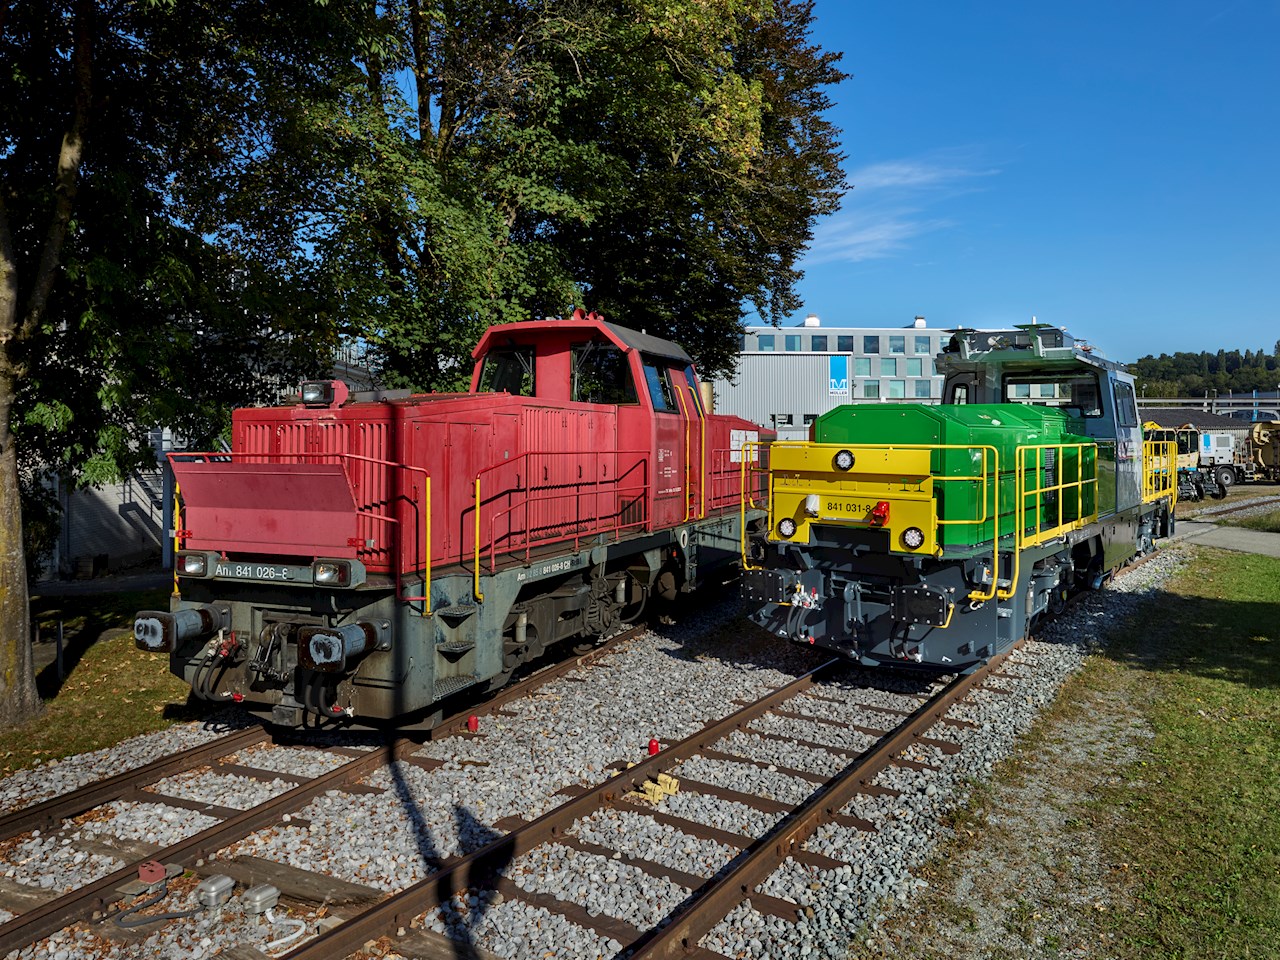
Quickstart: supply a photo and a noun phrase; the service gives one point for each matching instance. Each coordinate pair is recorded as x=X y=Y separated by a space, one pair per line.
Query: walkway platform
x=1228 y=538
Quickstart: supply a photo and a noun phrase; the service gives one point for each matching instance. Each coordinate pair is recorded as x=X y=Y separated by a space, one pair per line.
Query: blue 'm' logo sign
x=838 y=375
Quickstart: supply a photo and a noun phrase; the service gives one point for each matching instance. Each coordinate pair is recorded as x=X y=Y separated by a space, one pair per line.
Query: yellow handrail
x=426 y=522
x=748 y=458
x=703 y=459
x=177 y=534
x=1160 y=470
x=684 y=418
x=476 y=571
x=1021 y=539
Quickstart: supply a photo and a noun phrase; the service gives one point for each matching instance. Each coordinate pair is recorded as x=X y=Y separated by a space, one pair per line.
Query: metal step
x=457 y=611
x=449 y=685
x=456 y=646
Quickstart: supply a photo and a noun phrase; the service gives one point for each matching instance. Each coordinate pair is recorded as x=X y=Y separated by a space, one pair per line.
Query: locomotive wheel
x=1058 y=599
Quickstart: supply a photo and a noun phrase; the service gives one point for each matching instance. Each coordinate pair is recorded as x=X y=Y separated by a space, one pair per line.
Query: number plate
x=261 y=572
x=845 y=508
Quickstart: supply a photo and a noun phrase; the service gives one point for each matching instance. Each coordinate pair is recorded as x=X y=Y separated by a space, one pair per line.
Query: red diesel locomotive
x=361 y=560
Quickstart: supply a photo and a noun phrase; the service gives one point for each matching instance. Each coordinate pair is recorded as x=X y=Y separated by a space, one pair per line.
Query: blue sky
x=1110 y=167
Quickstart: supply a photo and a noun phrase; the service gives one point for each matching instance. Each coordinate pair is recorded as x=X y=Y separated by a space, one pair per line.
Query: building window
x=870 y=344
x=819 y=343
x=915 y=367
x=793 y=341
x=1048 y=389
x=809 y=418
x=898 y=344
x=922 y=345
x=871 y=389
x=764 y=342
x=782 y=419
x=844 y=344
x=862 y=366
x=888 y=367
x=924 y=389
x=897 y=389
x=1021 y=390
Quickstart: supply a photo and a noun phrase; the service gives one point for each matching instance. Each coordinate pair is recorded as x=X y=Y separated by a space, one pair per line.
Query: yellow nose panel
x=808 y=488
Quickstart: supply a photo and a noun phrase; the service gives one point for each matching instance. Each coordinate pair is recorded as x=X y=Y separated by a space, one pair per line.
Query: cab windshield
x=509 y=370
x=1076 y=393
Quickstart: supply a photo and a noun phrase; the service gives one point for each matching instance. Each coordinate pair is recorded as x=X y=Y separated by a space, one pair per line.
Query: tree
x=717 y=190
x=661 y=160
x=114 y=315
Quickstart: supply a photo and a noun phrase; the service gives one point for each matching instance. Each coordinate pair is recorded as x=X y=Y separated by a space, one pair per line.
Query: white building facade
x=788 y=376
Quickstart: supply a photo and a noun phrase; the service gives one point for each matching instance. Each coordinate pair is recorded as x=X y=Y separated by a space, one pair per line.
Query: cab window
x=1126 y=405
x=509 y=369
x=658 y=380
x=1075 y=394
x=601 y=374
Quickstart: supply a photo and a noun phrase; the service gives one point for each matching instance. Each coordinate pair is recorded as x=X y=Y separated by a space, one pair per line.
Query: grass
x=1195 y=821
x=111 y=690
x=1270 y=522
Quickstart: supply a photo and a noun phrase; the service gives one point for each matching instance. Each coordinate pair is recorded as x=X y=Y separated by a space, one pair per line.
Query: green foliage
x=148 y=323
x=260 y=184
x=661 y=160
x=1192 y=374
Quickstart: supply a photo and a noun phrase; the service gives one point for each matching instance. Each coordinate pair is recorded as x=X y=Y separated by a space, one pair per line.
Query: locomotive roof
x=1030 y=346
x=623 y=337
x=646 y=343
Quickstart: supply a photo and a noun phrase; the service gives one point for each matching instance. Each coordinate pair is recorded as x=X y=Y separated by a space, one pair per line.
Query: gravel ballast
x=664 y=685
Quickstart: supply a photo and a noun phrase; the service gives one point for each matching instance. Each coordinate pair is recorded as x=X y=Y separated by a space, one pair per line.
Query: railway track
x=1213 y=512
x=496 y=868
x=38 y=911
x=798 y=769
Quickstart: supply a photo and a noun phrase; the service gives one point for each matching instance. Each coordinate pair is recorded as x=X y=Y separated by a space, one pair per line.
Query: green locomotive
x=934 y=536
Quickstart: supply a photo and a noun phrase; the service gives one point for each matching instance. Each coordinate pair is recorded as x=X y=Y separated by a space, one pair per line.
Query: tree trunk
x=19 y=700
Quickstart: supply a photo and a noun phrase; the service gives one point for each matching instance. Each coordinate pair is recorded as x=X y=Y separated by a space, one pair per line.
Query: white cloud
x=888 y=206
x=851 y=237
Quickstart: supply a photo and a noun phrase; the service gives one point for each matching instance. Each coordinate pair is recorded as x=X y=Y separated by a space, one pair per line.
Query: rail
x=555 y=488
x=396 y=550
x=1159 y=470
x=1029 y=535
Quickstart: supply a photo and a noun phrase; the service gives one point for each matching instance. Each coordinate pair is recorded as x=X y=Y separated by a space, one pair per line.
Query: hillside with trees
x=1191 y=374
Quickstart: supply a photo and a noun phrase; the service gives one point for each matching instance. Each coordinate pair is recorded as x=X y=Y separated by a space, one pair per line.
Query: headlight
x=195 y=564
x=317 y=391
x=323 y=393
x=843 y=460
x=331 y=573
x=787 y=527
x=913 y=538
